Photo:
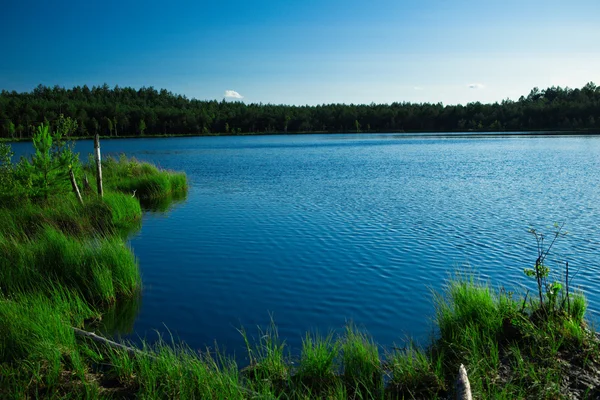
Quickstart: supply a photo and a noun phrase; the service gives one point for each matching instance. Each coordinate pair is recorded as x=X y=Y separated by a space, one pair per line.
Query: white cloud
x=232 y=94
x=418 y=88
x=476 y=86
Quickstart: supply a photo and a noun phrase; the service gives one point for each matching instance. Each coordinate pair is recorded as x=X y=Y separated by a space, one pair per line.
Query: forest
x=125 y=111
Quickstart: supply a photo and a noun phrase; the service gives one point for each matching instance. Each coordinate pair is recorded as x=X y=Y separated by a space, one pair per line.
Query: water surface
x=318 y=230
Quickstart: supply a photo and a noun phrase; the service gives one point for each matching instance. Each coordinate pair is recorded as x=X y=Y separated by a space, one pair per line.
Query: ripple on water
x=322 y=229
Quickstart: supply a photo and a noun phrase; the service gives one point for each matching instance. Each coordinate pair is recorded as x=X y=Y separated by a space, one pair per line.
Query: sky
x=304 y=52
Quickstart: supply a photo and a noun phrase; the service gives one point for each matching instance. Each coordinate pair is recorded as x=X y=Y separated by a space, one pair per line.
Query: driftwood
x=463 y=387
x=99 y=339
x=98 y=158
x=75 y=187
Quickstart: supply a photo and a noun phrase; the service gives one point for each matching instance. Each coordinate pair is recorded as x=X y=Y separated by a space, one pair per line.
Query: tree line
x=130 y=112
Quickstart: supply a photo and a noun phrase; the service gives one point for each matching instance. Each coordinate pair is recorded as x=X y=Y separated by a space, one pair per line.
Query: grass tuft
x=362 y=370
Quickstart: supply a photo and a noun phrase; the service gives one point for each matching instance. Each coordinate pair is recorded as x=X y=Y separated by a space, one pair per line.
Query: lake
x=319 y=230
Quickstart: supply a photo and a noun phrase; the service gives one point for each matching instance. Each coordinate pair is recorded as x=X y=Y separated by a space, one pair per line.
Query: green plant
x=48 y=169
x=317 y=361
x=548 y=292
x=7 y=179
x=361 y=363
x=415 y=372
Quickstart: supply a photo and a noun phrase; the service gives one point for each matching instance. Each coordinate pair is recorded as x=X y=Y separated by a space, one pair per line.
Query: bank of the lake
x=409 y=133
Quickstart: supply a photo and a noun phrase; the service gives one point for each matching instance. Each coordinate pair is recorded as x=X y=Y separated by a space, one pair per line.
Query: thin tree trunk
x=75 y=187
x=98 y=165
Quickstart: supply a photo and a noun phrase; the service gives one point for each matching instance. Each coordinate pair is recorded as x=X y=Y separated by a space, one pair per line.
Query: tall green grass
x=318 y=358
x=101 y=269
x=166 y=371
x=269 y=363
x=39 y=354
x=509 y=352
x=60 y=262
x=145 y=180
x=361 y=363
x=125 y=210
x=415 y=373
x=116 y=211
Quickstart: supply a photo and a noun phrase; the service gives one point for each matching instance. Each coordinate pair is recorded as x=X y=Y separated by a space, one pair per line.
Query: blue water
x=319 y=230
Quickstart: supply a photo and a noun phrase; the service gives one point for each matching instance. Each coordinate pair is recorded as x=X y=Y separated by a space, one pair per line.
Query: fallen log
x=99 y=339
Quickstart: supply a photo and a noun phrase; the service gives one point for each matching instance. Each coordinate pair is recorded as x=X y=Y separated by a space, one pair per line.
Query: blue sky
x=305 y=52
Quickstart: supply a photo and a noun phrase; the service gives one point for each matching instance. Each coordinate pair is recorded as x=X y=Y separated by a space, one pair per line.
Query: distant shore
x=408 y=134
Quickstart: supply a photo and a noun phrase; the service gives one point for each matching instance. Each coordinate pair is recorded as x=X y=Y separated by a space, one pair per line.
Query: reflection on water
x=119 y=319
x=165 y=203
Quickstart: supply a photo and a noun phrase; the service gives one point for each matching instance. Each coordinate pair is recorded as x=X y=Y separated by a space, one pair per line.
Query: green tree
x=142 y=127
x=10 y=128
x=48 y=169
x=109 y=125
x=66 y=126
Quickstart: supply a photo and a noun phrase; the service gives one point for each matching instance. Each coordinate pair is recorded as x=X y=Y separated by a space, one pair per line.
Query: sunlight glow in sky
x=305 y=52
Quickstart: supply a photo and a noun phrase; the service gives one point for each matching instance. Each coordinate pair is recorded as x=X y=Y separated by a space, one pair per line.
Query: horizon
x=301 y=54
x=241 y=100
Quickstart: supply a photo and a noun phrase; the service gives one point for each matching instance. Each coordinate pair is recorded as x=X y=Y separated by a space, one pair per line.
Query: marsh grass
x=269 y=362
x=362 y=371
x=128 y=175
x=509 y=353
x=125 y=210
x=39 y=354
x=318 y=358
x=414 y=373
x=96 y=216
x=64 y=264
x=102 y=269
x=168 y=370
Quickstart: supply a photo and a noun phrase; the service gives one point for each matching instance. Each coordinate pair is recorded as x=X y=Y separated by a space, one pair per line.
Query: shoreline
x=405 y=134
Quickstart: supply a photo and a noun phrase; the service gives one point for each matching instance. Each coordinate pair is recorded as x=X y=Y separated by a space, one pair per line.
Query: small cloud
x=418 y=88
x=232 y=94
x=476 y=86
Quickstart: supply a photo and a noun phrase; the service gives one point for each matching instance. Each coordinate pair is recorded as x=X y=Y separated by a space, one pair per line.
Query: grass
x=106 y=216
x=175 y=371
x=362 y=371
x=101 y=269
x=415 y=373
x=64 y=264
x=146 y=181
x=40 y=356
x=318 y=359
x=509 y=352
